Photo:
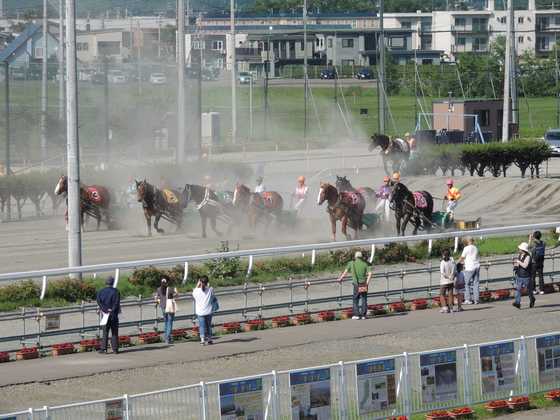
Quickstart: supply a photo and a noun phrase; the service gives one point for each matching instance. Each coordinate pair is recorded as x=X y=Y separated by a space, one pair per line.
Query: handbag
x=362 y=287
x=171 y=306
x=215 y=304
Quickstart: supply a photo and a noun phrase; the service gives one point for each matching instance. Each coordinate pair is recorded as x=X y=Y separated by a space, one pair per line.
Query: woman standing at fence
x=165 y=292
x=202 y=295
x=448 y=269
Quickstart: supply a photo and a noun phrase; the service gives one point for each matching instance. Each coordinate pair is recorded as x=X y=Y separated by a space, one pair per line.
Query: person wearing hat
x=109 y=302
x=260 y=188
x=396 y=178
x=452 y=196
x=383 y=195
x=222 y=183
x=472 y=272
x=412 y=144
x=522 y=265
x=208 y=182
x=301 y=194
x=361 y=274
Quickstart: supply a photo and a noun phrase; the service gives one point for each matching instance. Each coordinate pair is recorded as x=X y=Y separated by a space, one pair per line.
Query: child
x=460 y=286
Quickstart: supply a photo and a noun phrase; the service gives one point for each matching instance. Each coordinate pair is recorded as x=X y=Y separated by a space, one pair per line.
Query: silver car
x=552 y=137
x=157 y=79
x=244 y=77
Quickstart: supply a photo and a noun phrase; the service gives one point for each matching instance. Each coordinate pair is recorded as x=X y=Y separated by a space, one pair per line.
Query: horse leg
x=149 y=223
x=66 y=220
x=416 y=225
x=203 y=221
x=333 y=229
x=344 y=222
x=156 y=222
x=213 y=225
x=98 y=217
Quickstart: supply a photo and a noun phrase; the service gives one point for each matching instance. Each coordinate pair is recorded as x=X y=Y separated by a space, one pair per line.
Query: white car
x=157 y=78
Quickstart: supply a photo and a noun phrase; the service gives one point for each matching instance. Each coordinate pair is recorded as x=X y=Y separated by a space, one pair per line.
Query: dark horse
x=210 y=205
x=257 y=205
x=414 y=206
x=159 y=203
x=94 y=199
x=348 y=207
x=396 y=151
x=344 y=185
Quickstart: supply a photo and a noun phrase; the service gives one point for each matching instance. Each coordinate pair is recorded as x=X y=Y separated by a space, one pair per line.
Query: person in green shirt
x=361 y=274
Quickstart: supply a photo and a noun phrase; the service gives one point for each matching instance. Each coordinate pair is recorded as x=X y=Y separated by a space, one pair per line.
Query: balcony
x=470 y=29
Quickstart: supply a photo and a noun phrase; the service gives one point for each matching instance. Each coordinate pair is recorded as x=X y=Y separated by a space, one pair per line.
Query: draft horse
x=258 y=205
x=344 y=184
x=159 y=203
x=416 y=207
x=209 y=205
x=396 y=151
x=348 y=207
x=94 y=200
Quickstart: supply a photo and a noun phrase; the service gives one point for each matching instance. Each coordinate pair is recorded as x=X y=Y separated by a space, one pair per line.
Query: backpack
x=538 y=253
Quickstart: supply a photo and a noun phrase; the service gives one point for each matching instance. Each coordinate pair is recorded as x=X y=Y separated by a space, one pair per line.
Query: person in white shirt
x=260 y=188
x=472 y=272
x=301 y=193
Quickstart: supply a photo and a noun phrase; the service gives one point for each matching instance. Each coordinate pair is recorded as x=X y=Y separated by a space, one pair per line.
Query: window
x=520 y=19
x=199 y=45
x=483 y=116
x=82 y=46
x=347 y=62
x=406 y=25
x=502 y=20
x=347 y=43
x=480 y=44
x=427 y=61
x=520 y=39
x=282 y=46
x=426 y=26
x=217 y=45
x=461 y=22
x=396 y=42
x=109 y=47
x=461 y=41
x=218 y=63
x=354 y=23
x=480 y=24
x=38 y=52
x=329 y=43
x=542 y=43
x=557 y=21
x=294 y=22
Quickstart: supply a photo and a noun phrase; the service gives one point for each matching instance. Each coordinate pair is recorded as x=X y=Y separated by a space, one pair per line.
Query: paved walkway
x=86 y=364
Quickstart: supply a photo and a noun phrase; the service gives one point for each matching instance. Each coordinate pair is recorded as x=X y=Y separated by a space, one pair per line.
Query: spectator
x=537 y=250
x=202 y=295
x=383 y=205
x=447 y=269
x=472 y=272
x=165 y=292
x=522 y=267
x=360 y=276
x=260 y=170
x=412 y=144
x=109 y=301
x=460 y=286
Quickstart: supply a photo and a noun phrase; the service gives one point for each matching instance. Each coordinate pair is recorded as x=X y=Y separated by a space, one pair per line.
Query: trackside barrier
x=407 y=383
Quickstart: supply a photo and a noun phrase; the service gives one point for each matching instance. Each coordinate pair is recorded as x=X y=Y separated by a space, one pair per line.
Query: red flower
x=397 y=304
x=149 y=335
x=196 y=330
x=461 y=410
x=420 y=301
x=124 y=338
x=62 y=346
x=90 y=343
x=439 y=413
x=553 y=394
x=281 y=319
x=231 y=325
x=349 y=310
x=375 y=307
x=497 y=403
x=255 y=321
x=403 y=417
x=520 y=399
x=4 y=354
x=326 y=313
x=302 y=316
x=28 y=350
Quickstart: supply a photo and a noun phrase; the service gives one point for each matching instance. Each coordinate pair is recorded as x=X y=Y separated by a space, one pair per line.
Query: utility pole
x=305 y=79
x=382 y=75
x=181 y=106
x=44 y=86
x=233 y=75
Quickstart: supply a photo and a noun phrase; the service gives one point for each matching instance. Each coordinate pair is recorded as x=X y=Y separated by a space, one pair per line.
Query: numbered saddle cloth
x=268 y=199
x=225 y=197
x=170 y=196
x=420 y=200
x=355 y=196
x=94 y=194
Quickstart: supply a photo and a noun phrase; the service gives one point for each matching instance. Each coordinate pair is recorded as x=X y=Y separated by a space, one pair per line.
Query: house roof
x=28 y=32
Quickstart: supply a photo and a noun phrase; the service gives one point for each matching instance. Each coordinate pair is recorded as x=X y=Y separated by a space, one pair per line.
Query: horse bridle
x=145 y=196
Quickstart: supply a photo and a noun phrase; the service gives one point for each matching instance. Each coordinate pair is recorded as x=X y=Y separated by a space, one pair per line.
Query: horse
x=415 y=206
x=396 y=151
x=344 y=185
x=257 y=205
x=93 y=200
x=348 y=207
x=210 y=205
x=157 y=203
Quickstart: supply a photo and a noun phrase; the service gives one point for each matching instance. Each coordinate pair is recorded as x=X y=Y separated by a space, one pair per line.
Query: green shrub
x=395 y=252
x=223 y=268
x=20 y=291
x=147 y=276
x=70 y=290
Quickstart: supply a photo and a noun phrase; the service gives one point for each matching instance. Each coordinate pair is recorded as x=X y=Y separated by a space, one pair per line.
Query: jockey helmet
x=204 y=156
x=407 y=135
x=396 y=175
x=207 y=177
x=259 y=178
x=449 y=182
x=386 y=179
x=301 y=178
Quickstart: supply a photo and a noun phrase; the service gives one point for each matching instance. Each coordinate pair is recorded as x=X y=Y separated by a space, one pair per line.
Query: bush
x=70 y=290
x=21 y=291
x=223 y=268
x=147 y=276
x=395 y=252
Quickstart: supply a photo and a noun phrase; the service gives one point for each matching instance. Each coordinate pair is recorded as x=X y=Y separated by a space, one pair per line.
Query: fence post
x=467 y=375
x=313 y=255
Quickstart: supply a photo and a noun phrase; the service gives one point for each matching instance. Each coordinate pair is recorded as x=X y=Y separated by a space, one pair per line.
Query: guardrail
x=402 y=384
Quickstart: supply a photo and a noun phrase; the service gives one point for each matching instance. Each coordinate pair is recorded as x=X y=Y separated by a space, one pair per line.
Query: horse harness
x=340 y=204
x=206 y=200
x=152 y=199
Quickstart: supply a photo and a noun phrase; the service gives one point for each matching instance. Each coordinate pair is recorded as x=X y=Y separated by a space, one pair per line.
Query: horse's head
x=325 y=192
x=398 y=192
x=62 y=186
x=380 y=140
x=343 y=184
x=373 y=143
x=239 y=193
x=141 y=189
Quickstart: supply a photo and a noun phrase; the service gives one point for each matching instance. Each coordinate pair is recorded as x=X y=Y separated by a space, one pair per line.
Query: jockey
x=301 y=194
x=412 y=144
x=396 y=178
x=383 y=194
x=260 y=188
x=208 y=182
x=453 y=195
x=222 y=183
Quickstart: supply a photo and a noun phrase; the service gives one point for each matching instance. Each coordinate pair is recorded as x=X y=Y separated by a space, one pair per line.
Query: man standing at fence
x=109 y=301
x=472 y=272
x=360 y=279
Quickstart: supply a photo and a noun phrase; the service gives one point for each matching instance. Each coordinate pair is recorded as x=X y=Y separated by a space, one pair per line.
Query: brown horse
x=158 y=204
x=416 y=207
x=93 y=200
x=368 y=193
x=348 y=207
x=396 y=151
x=257 y=205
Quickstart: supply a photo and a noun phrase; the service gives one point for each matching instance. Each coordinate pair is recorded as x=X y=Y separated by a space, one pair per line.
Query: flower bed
x=27 y=353
x=518 y=403
x=348 y=313
x=418 y=304
x=124 y=340
x=179 y=334
x=4 y=357
x=436 y=302
x=90 y=345
x=301 y=319
x=325 y=316
x=553 y=396
x=397 y=307
x=231 y=327
x=254 y=324
x=485 y=296
x=497 y=406
x=501 y=294
x=403 y=417
x=461 y=413
x=280 y=321
x=148 y=338
x=60 y=349
x=195 y=331
x=376 y=310
x=439 y=415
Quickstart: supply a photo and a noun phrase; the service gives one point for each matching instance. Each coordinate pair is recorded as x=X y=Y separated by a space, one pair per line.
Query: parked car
x=97 y=79
x=207 y=75
x=17 y=74
x=116 y=76
x=365 y=73
x=329 y=74
x=552 y=137
x=157 y=79
x=244 y=77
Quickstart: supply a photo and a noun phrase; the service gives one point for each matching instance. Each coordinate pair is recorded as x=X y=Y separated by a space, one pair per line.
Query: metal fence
x=376 y=388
